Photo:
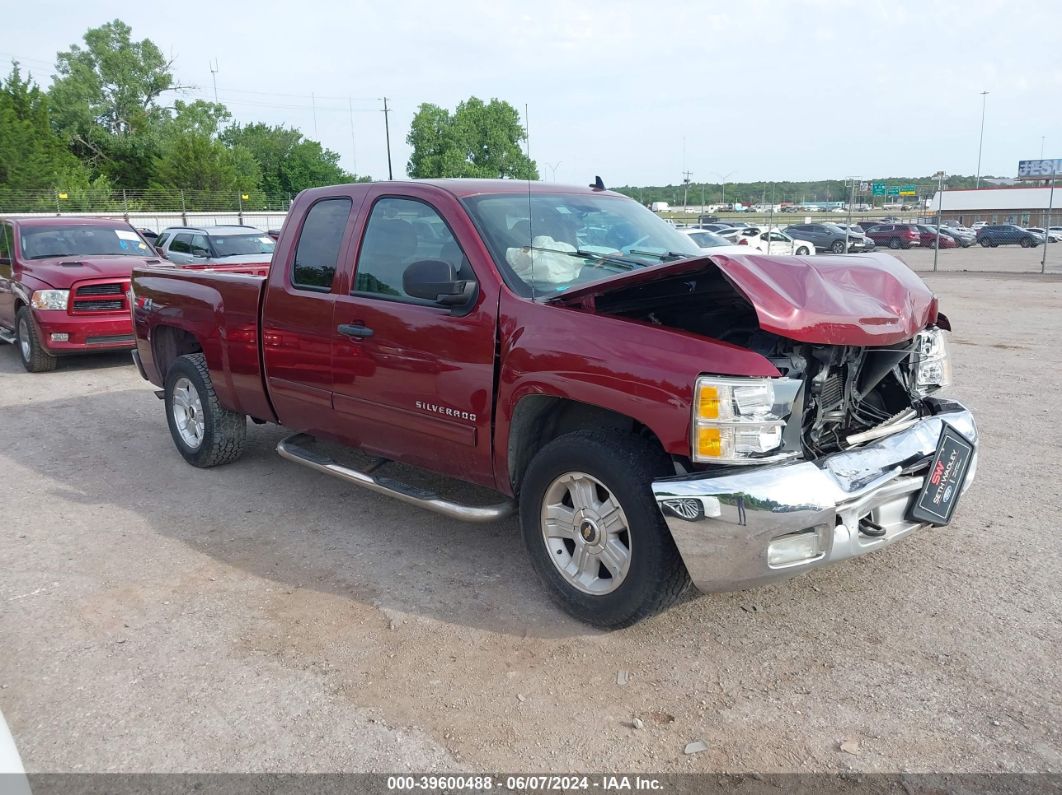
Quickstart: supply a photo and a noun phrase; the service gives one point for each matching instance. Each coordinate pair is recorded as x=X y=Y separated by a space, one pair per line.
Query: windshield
x=546 y=244
x=40 y=242
x=237 y=245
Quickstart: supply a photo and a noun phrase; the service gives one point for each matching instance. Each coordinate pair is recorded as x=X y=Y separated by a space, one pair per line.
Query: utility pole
x=353 y=141
x=214 y=76
x=1047 y=225
x=686 y=187
x=980 y=142
x=387 y=132
x=940 y=208
x=851 y=201
x=313 y=102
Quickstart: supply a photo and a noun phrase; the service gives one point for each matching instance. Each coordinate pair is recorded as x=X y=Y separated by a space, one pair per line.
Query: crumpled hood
x=62 y=272
x=861 y=300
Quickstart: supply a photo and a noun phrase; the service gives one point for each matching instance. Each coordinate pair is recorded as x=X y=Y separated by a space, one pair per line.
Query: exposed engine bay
x=849 y=394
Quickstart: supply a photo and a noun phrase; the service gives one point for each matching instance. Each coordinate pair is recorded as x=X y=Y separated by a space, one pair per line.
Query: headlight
x=930 y=362
x=50 y=299
x=740 y=420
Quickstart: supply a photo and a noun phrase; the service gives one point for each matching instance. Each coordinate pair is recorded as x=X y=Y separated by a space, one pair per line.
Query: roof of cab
x=54 y=220
x=463 y=188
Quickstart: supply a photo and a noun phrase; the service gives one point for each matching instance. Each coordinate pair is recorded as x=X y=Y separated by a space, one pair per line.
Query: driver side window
x=399 y=233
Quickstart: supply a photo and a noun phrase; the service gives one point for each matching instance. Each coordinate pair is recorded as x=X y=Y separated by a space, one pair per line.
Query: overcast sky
x=758 y=90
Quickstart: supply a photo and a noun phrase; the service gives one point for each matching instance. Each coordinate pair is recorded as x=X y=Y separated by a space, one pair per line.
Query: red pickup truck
x=655 y=415
x=63 y=285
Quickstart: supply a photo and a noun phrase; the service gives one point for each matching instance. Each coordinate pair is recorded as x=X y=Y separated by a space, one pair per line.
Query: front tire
x=802 y=251
x=31 y=352
x=205 y=433
x=593 y=531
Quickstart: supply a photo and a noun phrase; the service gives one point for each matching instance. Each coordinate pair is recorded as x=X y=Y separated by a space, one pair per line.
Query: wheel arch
x=170 y=342
x=539 y=419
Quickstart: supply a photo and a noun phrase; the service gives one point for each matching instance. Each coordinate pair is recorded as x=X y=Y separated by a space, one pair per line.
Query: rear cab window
x=320 y=240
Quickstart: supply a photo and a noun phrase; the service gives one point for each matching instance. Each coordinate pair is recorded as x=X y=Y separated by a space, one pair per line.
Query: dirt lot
x=155 y=617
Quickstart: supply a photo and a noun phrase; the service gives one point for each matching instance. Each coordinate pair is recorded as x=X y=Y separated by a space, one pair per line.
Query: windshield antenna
x=530 y=232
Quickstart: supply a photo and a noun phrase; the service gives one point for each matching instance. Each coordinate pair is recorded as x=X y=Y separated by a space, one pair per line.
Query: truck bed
x=219 y=310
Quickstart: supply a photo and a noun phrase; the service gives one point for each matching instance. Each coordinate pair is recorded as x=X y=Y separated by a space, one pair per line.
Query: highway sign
x=892 y=190
x=908 y=190
x=878 y=188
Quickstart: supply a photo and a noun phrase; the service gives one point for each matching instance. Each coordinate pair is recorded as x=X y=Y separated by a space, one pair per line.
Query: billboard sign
x=1039 y=169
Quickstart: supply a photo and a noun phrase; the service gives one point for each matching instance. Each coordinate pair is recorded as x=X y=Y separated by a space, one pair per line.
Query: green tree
x=105 y=100
x=32 y=157
x=192 y=156
x=477 y=140
x=288 y=162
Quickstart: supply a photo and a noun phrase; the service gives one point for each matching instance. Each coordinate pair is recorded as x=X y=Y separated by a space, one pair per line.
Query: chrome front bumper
x=723 y=524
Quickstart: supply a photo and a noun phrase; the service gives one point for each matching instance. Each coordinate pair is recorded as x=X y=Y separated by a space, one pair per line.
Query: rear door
x=413 y=379
x=180 y=249
x=297 y=325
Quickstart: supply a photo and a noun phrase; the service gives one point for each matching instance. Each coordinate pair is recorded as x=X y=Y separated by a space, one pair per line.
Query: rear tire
x=837 y=247
x=31 y=352
x=895 y=243
x=204 y=432
x=588 y=491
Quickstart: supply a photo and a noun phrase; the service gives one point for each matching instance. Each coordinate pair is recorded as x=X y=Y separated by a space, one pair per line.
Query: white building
x=1025 y=206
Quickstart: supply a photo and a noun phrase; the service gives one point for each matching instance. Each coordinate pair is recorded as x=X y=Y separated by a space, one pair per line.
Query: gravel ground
x=155 y=617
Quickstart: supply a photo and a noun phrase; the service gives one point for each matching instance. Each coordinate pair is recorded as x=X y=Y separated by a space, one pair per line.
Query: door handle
x=354 y=330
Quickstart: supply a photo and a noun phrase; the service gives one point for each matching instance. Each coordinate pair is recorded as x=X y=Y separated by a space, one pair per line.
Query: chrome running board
x=7 y=336
x=297 y=448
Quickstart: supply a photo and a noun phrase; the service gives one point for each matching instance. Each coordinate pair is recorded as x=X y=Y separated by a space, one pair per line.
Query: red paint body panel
x=441 y=390
x=867 y=299
x=221 y=311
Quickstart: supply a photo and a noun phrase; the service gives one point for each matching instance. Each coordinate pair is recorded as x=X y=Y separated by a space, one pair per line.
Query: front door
x=413 y=380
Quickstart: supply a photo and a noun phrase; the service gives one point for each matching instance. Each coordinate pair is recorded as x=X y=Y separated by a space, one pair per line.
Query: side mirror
x=436 y=280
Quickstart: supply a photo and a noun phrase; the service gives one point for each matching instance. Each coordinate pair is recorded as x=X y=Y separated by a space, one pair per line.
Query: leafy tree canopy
x=477 y=140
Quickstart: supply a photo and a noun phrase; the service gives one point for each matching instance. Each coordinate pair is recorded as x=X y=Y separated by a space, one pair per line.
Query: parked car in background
x=978 y=225
x=825 y=237
x=856 y=233
x=716 y=227
x=1053 y=236
x=1007 y=235
x=929 y=237
x=713 y=242
x=775 y=242
x=964 y=235
x=214 y=246
x=63 y=285
x=895 y=235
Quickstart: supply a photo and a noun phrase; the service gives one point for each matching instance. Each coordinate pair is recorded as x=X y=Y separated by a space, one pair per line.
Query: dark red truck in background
x=63 y=285
x=655 y=415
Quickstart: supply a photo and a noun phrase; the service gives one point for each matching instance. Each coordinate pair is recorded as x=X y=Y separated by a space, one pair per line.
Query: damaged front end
x=854 y=365
x=838 y=455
